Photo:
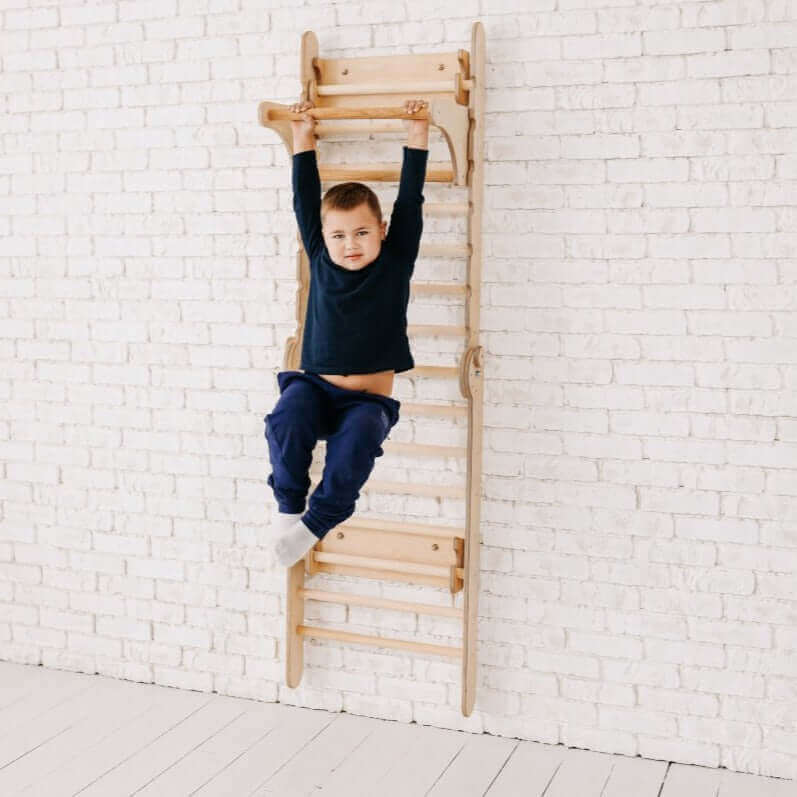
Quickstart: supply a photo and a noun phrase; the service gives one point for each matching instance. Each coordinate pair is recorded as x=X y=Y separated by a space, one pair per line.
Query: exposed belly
x=380 y=382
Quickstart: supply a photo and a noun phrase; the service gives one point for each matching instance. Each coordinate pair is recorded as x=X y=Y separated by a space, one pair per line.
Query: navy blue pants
x=354 y=423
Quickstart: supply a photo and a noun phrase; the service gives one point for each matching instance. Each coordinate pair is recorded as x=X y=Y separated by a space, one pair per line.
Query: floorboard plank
x=690 y=781
x=528 y=771
x=50 y=716
x=583 y=773
x=169 y=707
x=414 y=773
x=201 y=765
x=634 y=777
x=102 y=710
x=740 y=784
x=286 y=740
x=306 y=773
x=37 y=698
x=367 y=764
x=475 y=767
x=145 y=765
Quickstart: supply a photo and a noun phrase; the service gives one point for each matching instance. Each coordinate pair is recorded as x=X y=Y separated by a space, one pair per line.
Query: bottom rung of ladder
x=382 y=642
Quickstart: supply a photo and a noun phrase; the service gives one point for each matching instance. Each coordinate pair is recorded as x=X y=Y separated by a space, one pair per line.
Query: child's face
x=353 y=237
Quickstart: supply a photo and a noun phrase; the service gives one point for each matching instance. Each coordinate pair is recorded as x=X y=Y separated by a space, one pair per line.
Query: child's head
x=351 y=223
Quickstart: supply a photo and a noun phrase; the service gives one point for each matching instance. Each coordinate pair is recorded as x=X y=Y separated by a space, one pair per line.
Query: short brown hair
x=346 y=196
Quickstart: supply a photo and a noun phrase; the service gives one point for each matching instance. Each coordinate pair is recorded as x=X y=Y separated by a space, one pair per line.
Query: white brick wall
x=639 y=560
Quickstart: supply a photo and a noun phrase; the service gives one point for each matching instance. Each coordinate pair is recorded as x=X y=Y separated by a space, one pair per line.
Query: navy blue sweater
x=356 y=321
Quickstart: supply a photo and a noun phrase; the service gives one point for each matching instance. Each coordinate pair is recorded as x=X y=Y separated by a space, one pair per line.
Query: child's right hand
x=307 y=126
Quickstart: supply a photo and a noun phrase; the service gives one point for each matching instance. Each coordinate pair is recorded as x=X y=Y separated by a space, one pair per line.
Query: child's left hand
x=416 y=125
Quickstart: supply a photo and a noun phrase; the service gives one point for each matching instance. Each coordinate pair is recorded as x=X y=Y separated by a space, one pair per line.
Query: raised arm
x=306 y=181
x=406 y=220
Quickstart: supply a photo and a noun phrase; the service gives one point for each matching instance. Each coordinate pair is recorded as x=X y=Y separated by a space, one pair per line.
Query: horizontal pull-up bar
x=374 y=112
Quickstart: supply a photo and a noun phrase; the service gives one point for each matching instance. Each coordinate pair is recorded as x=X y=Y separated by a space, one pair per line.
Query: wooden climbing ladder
x=374 y=89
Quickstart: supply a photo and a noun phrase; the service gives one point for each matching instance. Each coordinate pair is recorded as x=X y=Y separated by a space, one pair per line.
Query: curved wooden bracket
x=453 y=121
x=469 y=368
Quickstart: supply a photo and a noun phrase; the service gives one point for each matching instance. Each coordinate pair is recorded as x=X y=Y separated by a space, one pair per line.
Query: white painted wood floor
x=64 y=733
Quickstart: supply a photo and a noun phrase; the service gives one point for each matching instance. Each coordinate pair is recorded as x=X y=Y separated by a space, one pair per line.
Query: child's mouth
x=352 y=257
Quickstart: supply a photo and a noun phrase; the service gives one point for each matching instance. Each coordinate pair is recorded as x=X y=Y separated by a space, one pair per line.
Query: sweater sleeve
x=406 y=220
x=307 y=200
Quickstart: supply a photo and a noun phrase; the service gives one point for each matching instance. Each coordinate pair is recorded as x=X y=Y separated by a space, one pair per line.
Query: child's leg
x=352 y=448
x=292 y=430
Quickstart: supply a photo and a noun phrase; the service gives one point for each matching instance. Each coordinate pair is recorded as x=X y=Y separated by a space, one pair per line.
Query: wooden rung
x=437 y=330
x=425 y=490
x=404 y=488
x=444 y=250
x=438 y=289
x=426 y=450
x=381 y=564
x=408 y=87
x=379 y=603
x=434 y=410
x=382 y=642
x=387 y=575
x=381 y=172
x=337 y=127
x=438 y=371
x=322 y=112
x=422 y=529
x=445 y=208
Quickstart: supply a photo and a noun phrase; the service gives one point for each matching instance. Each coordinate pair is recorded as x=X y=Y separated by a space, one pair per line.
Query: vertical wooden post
x=473 y=374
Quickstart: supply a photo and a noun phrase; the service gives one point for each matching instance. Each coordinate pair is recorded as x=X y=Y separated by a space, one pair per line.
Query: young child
x=355 y=338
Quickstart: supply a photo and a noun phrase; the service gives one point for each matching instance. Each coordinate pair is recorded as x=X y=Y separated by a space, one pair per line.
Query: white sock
x=294 y=543
x=281 y=522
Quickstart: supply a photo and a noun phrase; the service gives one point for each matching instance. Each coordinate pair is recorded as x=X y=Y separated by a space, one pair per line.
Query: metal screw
x=340 y=535
x=435 y=546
